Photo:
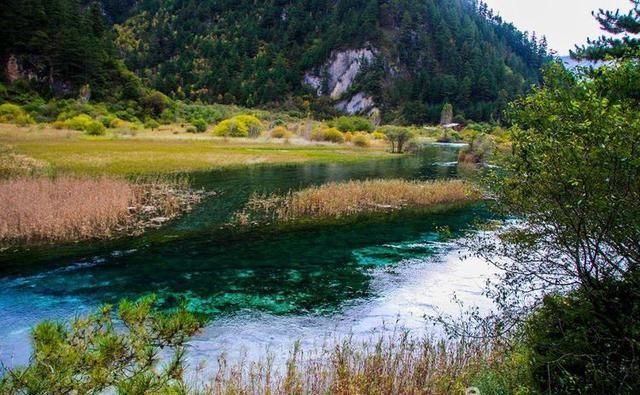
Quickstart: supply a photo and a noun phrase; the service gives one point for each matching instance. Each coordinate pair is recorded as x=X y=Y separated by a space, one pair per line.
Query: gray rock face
x=339 y=71
x=338 y=74
x=359 y=103
x=13 y=71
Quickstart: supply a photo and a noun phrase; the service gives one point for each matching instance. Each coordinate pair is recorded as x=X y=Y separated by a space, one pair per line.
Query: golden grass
x=63 y=208
x=399 y=364
x=339 y=200
x=66 y=209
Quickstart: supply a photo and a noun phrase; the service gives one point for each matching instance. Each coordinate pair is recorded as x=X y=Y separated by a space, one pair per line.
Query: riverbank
x=65 y=209
x=401 y=363
x=339 y=201
x=147 y=152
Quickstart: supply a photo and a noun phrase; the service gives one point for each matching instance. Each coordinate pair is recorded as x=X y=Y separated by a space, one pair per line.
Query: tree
x=446 y=116
x=94 y=354
x=155 y=103
x=625 y=42
x=397 y=137
x=574 y=180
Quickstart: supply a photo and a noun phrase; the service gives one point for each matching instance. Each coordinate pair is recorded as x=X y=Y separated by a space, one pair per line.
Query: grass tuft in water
x=335 y=201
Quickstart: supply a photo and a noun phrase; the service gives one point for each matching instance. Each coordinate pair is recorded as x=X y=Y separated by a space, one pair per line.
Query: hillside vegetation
x=423 y=54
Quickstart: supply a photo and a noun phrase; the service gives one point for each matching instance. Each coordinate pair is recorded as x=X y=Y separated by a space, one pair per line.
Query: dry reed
x=398 y=364
x=65 y=208
x=13 y=164
x=339 y=200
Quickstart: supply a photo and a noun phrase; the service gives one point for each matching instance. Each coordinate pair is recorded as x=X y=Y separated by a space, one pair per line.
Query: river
x=263 y=290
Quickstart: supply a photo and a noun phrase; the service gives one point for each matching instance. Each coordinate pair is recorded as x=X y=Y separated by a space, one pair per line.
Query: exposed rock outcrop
x=337 y=75
x=359 y=103
x=13 y=71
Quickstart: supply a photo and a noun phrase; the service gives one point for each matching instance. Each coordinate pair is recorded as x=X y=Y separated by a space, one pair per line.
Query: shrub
x=34 y=105
x=23 y=120
x=167 y=116
x=448 y=136
x=239 y=126
x=481 y=127
x=79 y=122
x=14 y=113
x=155 y=103
x=328 y=134
x=361 y=139
x=231 y=128
x=469 y=134
x=378 y=135
x=118 y=123
x=348 y=137
x=200 y=125
x=58 y=125
x=280 y=132
x=9 y=112
x=353 y=124
x=574 y=350
x=95 y=128
x=151 y=124
x=106 y=120
x=254 y=126
x=128 y=115
x=192 y=112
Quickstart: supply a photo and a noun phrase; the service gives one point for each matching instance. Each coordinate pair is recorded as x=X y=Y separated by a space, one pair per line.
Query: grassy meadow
x=162 y=151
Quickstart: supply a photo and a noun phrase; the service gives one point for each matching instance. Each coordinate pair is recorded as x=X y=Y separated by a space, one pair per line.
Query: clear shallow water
x=261 y=290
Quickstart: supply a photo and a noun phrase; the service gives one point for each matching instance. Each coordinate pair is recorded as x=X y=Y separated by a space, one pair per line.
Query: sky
x=564 y=22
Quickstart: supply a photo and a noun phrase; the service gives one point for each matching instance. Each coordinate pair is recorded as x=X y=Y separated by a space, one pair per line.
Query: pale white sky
x=564 y=22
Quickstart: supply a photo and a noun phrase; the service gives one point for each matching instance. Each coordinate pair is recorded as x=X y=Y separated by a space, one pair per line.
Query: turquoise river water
x=262 y=290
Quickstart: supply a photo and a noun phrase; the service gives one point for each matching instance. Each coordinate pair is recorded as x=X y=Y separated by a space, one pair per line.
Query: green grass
x=70 y=152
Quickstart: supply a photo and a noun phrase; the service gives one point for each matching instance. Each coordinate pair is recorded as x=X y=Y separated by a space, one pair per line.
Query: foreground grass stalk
x=398 y=364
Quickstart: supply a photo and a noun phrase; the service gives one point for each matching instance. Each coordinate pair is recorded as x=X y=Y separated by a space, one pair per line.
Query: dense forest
x=59 y=47
x=428 y=52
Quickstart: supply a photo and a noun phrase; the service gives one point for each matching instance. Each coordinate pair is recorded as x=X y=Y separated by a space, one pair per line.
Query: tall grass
x=398 y=364
x=13 y=164
x=68 y=208
x=339 y=200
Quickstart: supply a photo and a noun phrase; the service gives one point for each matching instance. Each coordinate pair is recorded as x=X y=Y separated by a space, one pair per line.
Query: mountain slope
x=58 y=47
x=425 y=53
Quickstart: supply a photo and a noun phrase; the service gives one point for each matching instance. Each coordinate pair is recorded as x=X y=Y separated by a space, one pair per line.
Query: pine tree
x=625 y=42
